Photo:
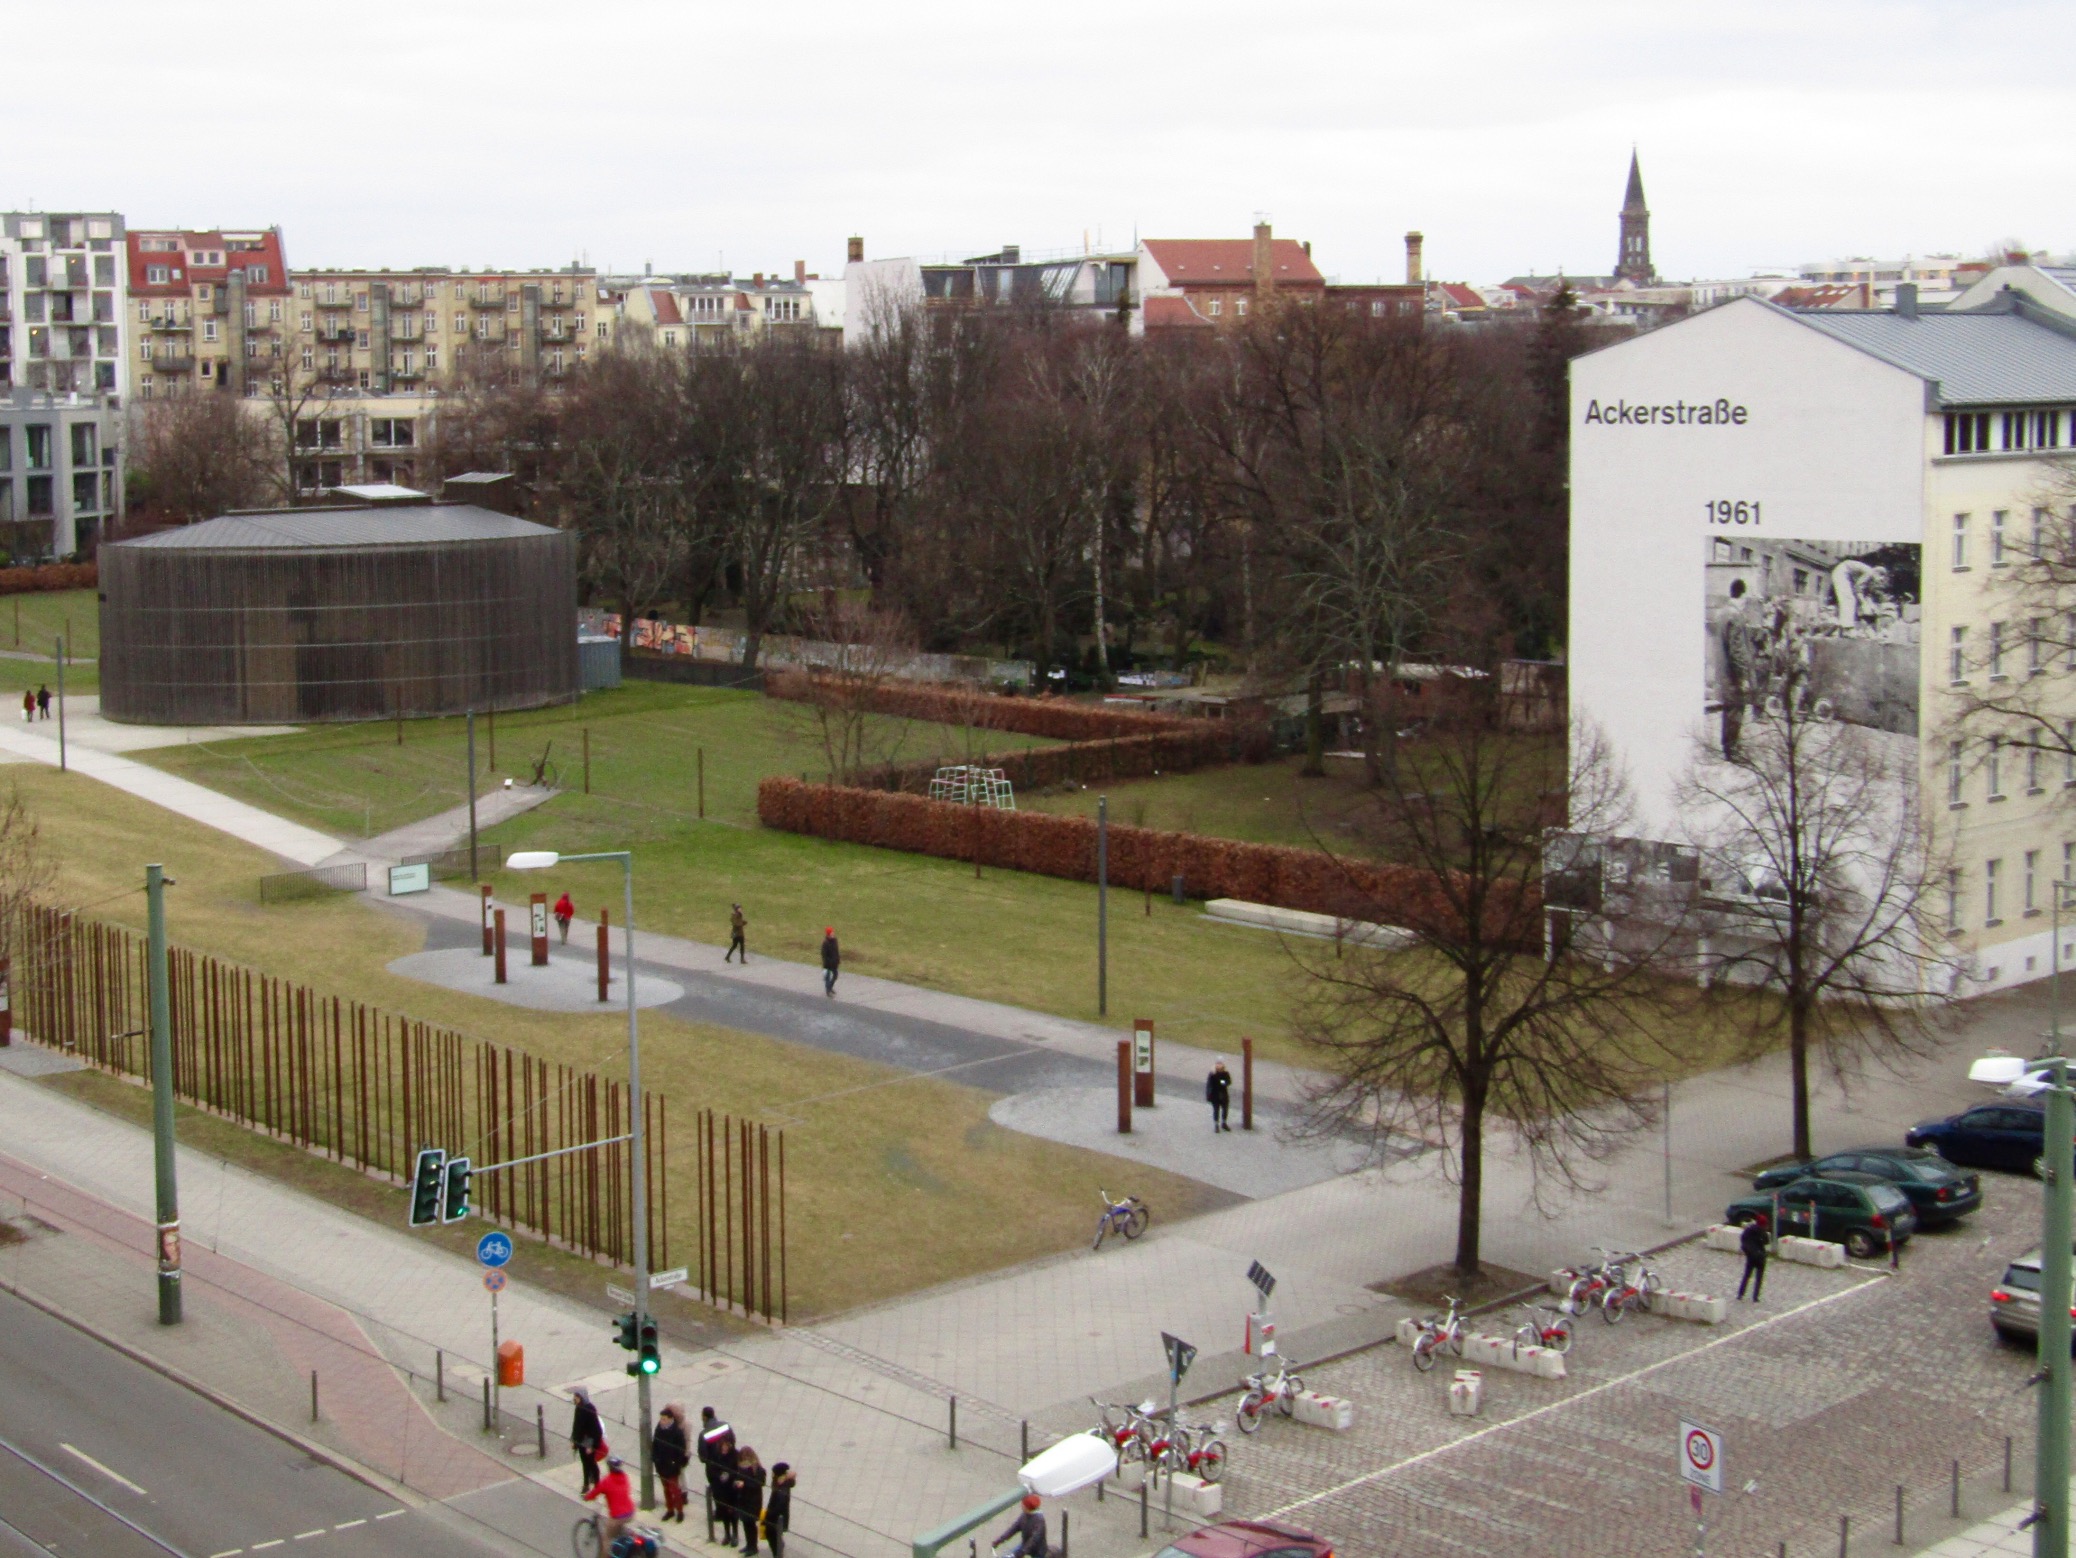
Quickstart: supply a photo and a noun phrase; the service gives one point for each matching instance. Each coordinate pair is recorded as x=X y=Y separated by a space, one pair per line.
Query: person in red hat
x=1029 y=1530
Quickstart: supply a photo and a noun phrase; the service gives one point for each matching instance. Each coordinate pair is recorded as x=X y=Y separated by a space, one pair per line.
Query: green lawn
x=30 y=625
x=1263 y=803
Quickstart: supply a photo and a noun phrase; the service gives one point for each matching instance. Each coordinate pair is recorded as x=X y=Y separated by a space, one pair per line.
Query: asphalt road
x=100 y=1455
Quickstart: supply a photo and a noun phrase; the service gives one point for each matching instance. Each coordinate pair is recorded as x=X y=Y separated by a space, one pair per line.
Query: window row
x=2032 y=761
x=1986 y=432
x=2010 y=542
x=2031 y=894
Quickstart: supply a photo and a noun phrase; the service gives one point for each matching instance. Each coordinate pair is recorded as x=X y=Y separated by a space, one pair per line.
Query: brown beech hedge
x=49 y=576
x=1143 y=858
x=1057 y=718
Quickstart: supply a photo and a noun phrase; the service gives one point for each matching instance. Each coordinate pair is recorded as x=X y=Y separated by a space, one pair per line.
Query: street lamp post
x=546 y=859
x=2050 y=1520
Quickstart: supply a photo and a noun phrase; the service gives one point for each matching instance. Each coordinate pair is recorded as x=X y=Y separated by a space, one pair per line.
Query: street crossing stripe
x=348 y=1525
x=112 y=1476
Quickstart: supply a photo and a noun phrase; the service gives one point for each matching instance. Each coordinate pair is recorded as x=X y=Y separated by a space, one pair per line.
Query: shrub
x=48 y=577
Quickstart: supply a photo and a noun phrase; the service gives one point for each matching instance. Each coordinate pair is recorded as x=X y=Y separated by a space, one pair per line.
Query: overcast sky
x=401 y=132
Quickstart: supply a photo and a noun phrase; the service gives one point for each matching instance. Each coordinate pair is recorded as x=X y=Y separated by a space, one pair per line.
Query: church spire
x=1633 y=262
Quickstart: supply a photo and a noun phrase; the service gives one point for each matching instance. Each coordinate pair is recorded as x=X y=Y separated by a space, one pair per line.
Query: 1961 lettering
x=1741 y=511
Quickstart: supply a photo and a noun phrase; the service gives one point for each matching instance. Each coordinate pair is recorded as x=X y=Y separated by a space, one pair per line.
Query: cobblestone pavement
x=1841 y=1386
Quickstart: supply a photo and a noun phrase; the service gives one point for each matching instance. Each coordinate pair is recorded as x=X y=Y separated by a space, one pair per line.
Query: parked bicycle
x=1196 y=1448
x=1590 y=1283
x=1547 y=1325
x=1128 y=1430
x=1437 y=1332
x=1636 y=1281
x=1128 y=1217
x=1265 y=1390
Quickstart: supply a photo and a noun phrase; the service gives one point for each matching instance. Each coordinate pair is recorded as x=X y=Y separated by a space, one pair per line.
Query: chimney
x=1012 y=254
x=799 y=272
x=1414 y=243
x=856 y=251
x=757 y=279
x=1264 y=257
x=1906 y=300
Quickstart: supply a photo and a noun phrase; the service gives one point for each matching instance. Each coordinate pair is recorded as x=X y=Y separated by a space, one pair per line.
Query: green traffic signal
x=650 y=1358
x=425 y=1186
x=457 y=1201
x=625 y=1328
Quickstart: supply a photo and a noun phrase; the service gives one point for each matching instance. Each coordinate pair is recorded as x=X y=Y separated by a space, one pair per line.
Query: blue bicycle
x=1128 y=1217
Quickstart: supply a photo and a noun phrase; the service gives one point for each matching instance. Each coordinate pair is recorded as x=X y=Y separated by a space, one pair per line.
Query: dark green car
x=1938 y=1192
x=1864 y=1213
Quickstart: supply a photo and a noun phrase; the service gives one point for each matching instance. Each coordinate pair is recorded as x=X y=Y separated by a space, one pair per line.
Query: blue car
x=2009 y=1134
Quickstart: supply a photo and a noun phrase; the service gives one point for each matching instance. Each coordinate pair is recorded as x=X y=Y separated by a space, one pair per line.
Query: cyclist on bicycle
x=1029 y=1530
x=619 y=1505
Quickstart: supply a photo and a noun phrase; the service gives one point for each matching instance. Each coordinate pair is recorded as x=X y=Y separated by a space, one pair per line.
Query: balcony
x=487 y=300
x=172 y=324
x=406 y=375
x=184 y=363
x=345 y=302
x=330 y=332
x=338 y=373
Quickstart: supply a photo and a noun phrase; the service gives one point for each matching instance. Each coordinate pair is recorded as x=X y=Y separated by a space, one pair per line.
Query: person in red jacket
x=619 y=1504
x=565 y=911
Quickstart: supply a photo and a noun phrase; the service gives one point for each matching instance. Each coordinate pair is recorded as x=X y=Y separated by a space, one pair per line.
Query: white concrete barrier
x=1548 y=1364
x=1698 y=1307
x=1812 y=1252
x=1323 y=1411
x=1726 y=1237
x=1408 y=1331
x=1302 y=922
x=1202 y=1499
x=1467 y=1393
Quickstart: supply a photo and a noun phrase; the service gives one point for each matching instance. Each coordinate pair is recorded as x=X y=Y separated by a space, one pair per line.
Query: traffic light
x=457 y=1203
x=425 y=1186
x=628 y=1332
x=650 y=1356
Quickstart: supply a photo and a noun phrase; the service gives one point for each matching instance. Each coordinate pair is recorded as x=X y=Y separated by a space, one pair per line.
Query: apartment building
x=62 y=302
x=1090 y=285
x=690 y=309
x=1853 y=496
x=61 y=471
x=210 y=310
x=423 y=330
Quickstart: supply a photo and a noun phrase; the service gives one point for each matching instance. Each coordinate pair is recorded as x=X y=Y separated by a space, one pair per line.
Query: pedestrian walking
x=670 y=1451
x=43 y=702
x=28 y=704
x=1029 y=1530
x=1753 y=1242
x=586 y=1436
x=1218 y=1091
x=716 y=1453
x=565 y=911
x=736 y=925
x=832 y=960
x=749 y=1497
x=778 y=1509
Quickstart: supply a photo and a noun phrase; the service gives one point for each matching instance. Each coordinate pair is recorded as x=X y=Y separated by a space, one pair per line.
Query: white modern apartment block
x=61 y=472
x=64 y=302
x=1856 y=493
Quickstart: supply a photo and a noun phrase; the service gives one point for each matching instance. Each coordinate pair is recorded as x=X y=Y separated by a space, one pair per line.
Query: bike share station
x=1184 y=1460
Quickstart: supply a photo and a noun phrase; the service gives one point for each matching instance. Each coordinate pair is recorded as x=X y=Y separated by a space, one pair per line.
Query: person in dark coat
x=736 y=926
x=670 y=1450
x=832 y=959
x=1029 y=1530
x=1753 y=1242
x=717 y=1455
x=778 y=1509
x=1218 y=1091
x=43 y=703
x=586 y=1436
x=749 y=1496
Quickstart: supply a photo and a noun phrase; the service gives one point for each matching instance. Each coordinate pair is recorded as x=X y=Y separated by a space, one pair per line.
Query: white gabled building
x=1857 y=487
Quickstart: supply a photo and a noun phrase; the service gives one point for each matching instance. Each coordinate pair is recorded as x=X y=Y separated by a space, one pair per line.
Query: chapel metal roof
x=390 y=525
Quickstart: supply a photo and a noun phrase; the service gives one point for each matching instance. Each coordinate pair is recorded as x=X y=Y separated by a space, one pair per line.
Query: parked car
x=1938 y=1192
x=1249 y=1539
x=1861 y=1212
x=2009 y=1134
x=2015 y=1300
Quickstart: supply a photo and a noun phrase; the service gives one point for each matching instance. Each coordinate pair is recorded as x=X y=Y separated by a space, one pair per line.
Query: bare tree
x=26 y=868
x=1818 y=877
x=1481 y=1012
x=868 y=648
x=199 y=454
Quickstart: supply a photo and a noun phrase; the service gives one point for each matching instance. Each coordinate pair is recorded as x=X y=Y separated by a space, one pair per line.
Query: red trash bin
x=511 y=1364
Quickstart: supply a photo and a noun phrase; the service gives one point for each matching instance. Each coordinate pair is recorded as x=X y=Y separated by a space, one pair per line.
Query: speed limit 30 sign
x=1701 y=1456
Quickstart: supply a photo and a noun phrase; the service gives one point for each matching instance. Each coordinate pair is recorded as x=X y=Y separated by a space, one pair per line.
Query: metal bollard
x=1026 y=1432
x=440 y=1375
x=2007 y=1463
x=1899 y=1514
x=954 y=1429
x=1065 y=1515
x=1845 y=1531
x=1956 y=1490
x=486 y=1403
x=1142 y=1509
x=710 y=1516
x=313 y=1395
x=540 y=1429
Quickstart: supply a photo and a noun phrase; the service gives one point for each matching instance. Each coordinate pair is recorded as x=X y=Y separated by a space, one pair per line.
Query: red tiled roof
x=1459 y=294
x=666 y=306
x=244 y=252
x=1230 y=261
x=1160 y=313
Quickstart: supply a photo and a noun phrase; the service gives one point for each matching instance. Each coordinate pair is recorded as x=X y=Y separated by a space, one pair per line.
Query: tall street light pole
x=546 y=859
x=2050 y=1518
x=155 y=884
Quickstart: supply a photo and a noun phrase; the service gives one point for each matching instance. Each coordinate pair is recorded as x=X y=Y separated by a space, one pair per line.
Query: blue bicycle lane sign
x=494 y=1249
